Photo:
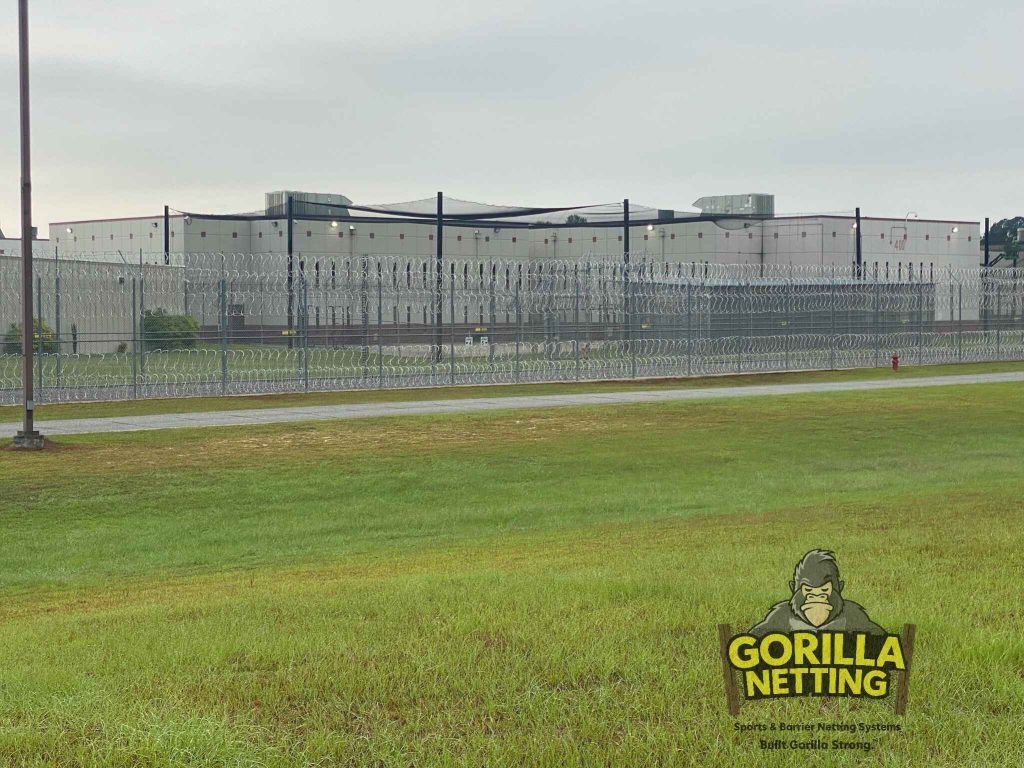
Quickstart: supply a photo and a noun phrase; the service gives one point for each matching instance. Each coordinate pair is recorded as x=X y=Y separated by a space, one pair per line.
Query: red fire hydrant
x=895 y=361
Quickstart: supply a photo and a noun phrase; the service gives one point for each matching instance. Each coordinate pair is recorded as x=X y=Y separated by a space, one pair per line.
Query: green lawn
x=504 y=588
x=12 y=413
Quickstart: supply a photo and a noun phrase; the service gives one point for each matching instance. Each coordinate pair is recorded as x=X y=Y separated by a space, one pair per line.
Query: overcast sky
x=894 y=106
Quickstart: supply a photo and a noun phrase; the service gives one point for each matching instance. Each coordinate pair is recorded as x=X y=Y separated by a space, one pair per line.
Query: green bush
x=163 y=331
x=12 y=339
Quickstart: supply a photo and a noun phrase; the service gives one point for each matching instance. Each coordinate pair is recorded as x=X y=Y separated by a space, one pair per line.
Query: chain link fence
x=245 y=324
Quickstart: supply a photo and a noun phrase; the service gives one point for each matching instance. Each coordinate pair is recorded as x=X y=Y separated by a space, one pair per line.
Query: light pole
x=27 y=438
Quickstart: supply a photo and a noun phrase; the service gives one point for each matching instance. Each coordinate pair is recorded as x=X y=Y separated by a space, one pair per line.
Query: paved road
x=474 y=405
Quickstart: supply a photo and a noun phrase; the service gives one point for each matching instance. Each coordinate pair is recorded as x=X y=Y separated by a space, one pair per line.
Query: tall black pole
x=291 y=273
x=27 y=437
x=167 y=234
x=859 y=252
x=439 y=271
x=986 y=241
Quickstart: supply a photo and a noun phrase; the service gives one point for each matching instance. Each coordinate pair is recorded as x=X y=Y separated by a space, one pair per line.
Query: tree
x=1004 y=231
x=12 y=339
x=575 y=219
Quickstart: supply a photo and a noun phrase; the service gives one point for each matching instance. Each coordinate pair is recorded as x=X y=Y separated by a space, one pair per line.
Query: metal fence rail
x=245 y=323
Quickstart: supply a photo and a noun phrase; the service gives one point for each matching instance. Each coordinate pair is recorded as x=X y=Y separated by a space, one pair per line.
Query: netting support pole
x=167 y=235
x=790 y=299
x=878 y=323
x=304 y=326
x=859 y=251
x=493 y=311
x=141 y=318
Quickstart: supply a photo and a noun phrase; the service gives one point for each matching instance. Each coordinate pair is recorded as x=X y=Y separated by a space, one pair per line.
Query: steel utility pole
x=28 y=437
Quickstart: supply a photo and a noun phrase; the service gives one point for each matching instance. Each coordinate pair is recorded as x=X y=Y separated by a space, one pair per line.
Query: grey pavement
x=475 y=405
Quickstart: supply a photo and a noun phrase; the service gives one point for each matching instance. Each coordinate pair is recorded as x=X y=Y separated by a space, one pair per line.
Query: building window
x=672 y=236
x=341 y=234
x=776 y=235
x=234 y=235
x=947 y=238
x=570 y=240
x=261 y=235
x=968 y=238
x=927 y=237
x=803 y=234
x=545 y=240
x=881 y=235
x=460 y=239
x=150 y=235
x=371 y=235
x=279 y=233
x=309 y=233
x=94 y=238
x=513 y=239
x=111 y=236
x=700 y=236
x=833 y=233
x=430 y=237
x=645 y=236
x=750 y=235
x=131 y=235
x=401 y=235
x=202 y=234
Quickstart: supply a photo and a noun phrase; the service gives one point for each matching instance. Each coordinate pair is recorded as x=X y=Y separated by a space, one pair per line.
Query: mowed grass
x=83 y=410
x=505 y=589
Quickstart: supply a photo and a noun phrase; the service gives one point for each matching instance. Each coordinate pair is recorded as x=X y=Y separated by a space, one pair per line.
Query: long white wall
x=803 y=240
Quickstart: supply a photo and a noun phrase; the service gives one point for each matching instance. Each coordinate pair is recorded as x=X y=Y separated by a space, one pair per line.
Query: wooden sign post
x=903 y=688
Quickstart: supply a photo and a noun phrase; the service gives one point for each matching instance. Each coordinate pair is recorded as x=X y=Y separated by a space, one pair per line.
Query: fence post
x=920 y=318
x=689 y=328
x=56 y=320
x=380 y=329
x=451 y=335
x=492 y=334
x=223 y=336
x=832 y=341
x=39 y=362
x=576 y=316
x=999 y=319
x=364 y=321
x=139 y=319
x=790 y=298
x=135 y=345
x=960 y=322
x=878 y=320
x=519 y=319
x=304 y=320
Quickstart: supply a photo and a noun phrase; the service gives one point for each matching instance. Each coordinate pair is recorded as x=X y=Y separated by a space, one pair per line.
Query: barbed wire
x=238 y=323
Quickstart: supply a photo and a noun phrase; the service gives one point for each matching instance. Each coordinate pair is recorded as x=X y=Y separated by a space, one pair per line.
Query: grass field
x=505 y=588
x=12 y=413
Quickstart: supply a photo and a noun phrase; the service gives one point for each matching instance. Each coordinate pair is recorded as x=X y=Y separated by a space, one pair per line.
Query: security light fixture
x=334 y=225
x=956 y=229
x=351 y=228
x=69 y=230
x=650 y=227
x=188 y=220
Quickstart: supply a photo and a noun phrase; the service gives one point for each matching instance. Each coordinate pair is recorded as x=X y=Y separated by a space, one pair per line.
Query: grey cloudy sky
x=893 y=106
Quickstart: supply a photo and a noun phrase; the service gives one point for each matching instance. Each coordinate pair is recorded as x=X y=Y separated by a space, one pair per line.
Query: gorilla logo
x=817 y=603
